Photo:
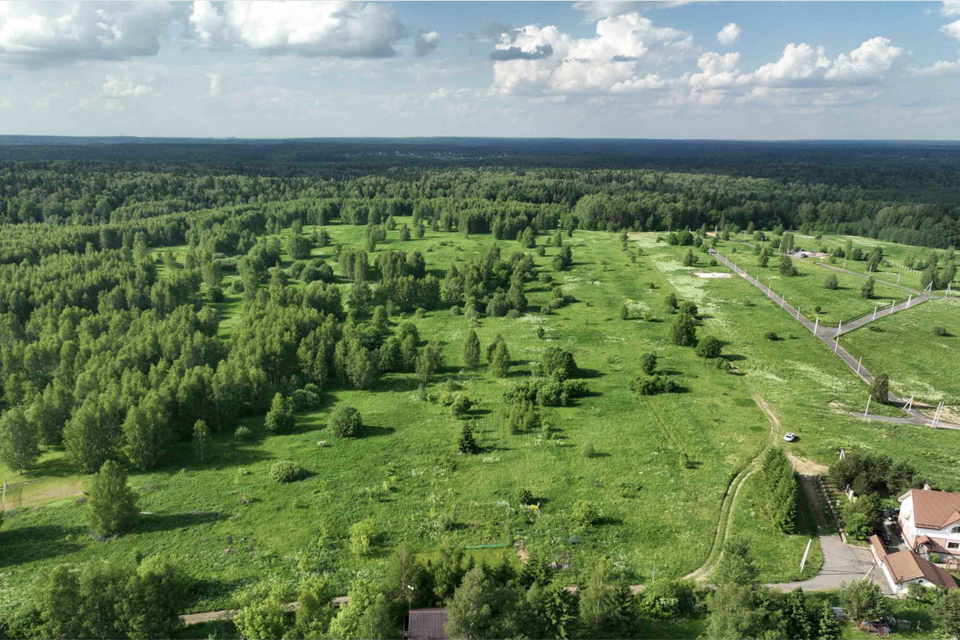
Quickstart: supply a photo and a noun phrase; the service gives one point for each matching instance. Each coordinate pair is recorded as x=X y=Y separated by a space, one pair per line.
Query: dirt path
x=733 y=490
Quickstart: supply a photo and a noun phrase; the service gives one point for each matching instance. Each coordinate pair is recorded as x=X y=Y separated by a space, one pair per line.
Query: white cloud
x=45 y=101
x=335 y=29
x=802 y=65
x=116 y=88
x=866 y=62
x=729 y=34
x=716 y=70
x=544 y=60
x=215 y=88
x=425 y=43
x=952 y=29
x=39 y=34
x=950 y=8
x=938 y=68
x=600 y=9
x=4 y=103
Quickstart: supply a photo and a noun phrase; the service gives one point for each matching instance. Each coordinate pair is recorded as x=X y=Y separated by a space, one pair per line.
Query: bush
x=587 y=450
x=684 y=330
x=817 y=309
x=689 y=308
x=709 y=347
x=648 y=362
x=830 y=282
x=940 y=331
x=280 y=417
x=653 y=386
x=556 y=363
x=461 y=404
x=525 y=497
x=305 y=400
x=216 y=294
x=771 y=335
x=584 y=514
x=346 y=422
x=242 y=433
x=286 y=471
x=363 y=537
x=421 y=312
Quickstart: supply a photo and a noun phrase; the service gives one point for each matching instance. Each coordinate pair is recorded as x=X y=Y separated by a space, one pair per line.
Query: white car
x=790 y=437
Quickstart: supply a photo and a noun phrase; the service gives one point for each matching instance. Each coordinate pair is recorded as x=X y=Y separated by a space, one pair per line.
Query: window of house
x=953 y=545
x=955 y=530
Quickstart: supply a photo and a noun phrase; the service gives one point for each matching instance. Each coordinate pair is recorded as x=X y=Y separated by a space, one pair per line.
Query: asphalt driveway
x=841 y=564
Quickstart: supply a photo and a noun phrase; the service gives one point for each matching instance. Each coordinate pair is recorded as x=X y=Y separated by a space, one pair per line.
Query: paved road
x=827 y=335
x=909 y=303
x=841 y=564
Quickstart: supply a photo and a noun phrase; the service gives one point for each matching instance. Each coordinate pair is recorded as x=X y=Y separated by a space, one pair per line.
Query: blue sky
x=725 y=70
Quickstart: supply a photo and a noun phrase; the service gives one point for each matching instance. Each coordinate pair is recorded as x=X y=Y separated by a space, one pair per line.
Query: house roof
x=934 y=509
x=427 y=624
x=906 y=565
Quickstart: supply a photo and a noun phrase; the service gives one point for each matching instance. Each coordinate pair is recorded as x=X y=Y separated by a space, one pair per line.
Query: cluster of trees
x=872 y=478
x=779 y=497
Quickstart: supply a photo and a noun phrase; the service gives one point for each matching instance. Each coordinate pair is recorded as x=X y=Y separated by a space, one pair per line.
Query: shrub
x=830 y=282
x=305 y=400
x=556 y=363
x=709 y=347
x=648 y=316
x=461 y=404
x=689 y=308
x=346 y=422
x=280 y=417
x=648 y=362
x=363 y=537
x=421 y=312
x=684 y=330
x=525 y=497
x=671 y=301
x=286 y=471
x=653 y=386
x=584 y=514
x=587 y=450
x=771 y=335
x=818 y=309
x=216 y=294
x=940 y=331
x=242 y=433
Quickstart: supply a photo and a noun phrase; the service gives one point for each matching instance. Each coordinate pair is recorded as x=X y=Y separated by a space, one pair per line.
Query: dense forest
x=111 y=346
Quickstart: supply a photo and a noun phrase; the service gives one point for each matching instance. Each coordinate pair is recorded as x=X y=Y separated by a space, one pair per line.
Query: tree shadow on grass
x=369 y=431
x=29 y=544
x=169 y=521
x=589 y=374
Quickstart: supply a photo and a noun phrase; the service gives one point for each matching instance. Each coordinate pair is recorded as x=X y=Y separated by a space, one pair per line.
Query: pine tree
x=466 y=444
x=471 y=350
x=500 y=362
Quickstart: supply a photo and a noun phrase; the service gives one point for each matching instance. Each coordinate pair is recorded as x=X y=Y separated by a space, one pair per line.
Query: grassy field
x=806 y=292
x=227 y=524
x=918 y=362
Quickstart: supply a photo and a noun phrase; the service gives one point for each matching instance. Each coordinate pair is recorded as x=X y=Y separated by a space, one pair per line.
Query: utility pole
x=858 y=365
x=909 y=298
x=875 y=313
x=816 y=325
x=867 y=410
x=803 y=561
x=898 y=277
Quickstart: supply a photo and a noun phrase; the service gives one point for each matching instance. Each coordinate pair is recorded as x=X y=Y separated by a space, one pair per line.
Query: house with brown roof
x=930 y=521
x=903 y=568
x=427 y=624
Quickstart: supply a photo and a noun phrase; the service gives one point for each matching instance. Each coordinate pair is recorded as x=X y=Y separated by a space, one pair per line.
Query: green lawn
x=918 y=362
x=806 y=292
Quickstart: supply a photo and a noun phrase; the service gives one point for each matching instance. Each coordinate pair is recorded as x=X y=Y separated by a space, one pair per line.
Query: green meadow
x=657 y=478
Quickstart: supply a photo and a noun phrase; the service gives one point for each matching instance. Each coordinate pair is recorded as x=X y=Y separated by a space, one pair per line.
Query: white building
x=903 y=568
x=930 y=521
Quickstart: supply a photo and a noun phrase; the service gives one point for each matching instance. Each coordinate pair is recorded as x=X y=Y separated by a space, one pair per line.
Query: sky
x=680 y=69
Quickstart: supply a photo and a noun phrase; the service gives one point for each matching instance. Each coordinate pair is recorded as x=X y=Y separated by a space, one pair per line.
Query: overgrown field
x=656 y=480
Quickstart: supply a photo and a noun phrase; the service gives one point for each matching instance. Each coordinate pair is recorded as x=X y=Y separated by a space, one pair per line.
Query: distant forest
x=101 y=190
